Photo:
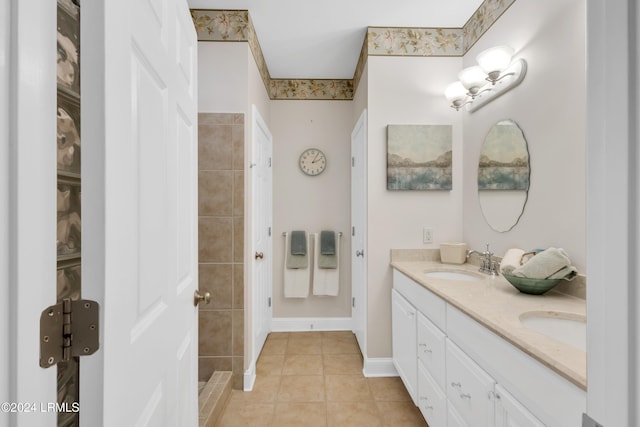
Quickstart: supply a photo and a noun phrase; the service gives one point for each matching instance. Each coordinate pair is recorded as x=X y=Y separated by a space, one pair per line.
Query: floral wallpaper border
x=222 y=25
x=483 y=18
x=328 y=89
x=388 y=41
x=236 y=26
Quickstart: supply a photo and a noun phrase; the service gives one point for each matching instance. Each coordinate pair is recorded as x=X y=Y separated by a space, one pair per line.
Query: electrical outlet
x=427 y=235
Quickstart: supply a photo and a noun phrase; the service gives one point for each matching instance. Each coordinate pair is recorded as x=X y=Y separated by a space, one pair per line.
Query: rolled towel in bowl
x=511 y=259
x=552 y=263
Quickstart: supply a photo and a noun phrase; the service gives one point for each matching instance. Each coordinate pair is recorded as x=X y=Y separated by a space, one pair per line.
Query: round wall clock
x=312 y=161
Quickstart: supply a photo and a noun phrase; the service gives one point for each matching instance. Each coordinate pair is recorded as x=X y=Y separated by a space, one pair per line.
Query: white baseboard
x=379 y=367
x=249 y=379
x=301 y=324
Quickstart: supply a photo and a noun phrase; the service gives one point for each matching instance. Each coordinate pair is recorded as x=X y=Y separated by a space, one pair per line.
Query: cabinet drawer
x=432 y=401
x=422 y=299
x=510 y=412
x=431 y=349
x=469 y=388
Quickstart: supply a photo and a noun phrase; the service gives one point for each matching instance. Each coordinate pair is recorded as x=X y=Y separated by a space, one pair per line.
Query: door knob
x=198 y=298
x=259 y=255
x=360 y=253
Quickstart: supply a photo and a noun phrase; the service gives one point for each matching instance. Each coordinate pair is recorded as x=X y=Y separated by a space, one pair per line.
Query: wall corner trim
x=379 y=367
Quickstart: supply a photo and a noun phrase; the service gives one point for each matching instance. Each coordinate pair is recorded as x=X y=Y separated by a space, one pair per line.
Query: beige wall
x=311 y=203
x=361 y=95
x=405 y=91
x=222 y=77
x=550 y=108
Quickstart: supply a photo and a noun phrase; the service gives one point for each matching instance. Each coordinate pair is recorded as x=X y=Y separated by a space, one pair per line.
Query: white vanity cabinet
x=460 y=374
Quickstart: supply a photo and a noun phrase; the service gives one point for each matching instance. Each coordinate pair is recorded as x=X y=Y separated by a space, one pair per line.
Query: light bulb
x=473 y=78
x=455 y=92
x=495 y=60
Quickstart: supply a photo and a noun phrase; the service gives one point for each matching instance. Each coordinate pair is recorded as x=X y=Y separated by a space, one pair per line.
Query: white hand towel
x=326 y=281
x=511 y=260
x=296 y=281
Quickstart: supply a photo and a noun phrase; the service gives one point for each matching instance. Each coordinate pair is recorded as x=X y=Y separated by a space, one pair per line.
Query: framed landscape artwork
x=419 y=157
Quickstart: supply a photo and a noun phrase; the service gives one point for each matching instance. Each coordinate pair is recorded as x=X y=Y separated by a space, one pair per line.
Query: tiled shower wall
x=221 y=244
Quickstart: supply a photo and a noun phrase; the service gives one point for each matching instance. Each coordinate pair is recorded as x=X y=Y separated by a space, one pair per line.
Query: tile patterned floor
x=314 y=379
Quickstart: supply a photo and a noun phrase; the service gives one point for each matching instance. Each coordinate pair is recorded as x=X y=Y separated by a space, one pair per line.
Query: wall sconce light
x=494 y=75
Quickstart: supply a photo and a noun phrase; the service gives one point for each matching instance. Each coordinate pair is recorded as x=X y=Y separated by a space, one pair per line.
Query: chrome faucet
x=487 y=263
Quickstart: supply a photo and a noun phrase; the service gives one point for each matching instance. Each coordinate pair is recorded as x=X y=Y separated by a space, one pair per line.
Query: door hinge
x=353 y=231
x=68 y=329
x=353 y=162
x=269 y=301
x=269 y=161
x=353 y=302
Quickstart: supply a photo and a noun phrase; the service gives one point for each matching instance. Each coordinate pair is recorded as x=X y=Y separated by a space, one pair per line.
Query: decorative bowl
x=527 y=285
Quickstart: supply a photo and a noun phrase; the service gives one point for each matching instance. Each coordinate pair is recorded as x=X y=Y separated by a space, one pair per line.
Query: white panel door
x=140 y=212
x=5 y=27
x=261 y=219
x=28 y=206
x=359 y=230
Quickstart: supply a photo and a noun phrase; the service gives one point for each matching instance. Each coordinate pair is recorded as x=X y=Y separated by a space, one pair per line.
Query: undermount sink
x=453 y=275
x=564 y=327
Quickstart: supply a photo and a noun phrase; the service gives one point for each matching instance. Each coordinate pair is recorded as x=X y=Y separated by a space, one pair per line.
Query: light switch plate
x=427 y=235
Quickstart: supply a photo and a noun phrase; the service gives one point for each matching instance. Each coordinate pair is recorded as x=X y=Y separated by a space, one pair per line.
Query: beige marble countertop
x=497 y=305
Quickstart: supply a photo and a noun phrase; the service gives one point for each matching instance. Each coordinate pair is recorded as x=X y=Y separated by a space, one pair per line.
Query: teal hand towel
x=296 y=261
x=298 y=242
x=327 y=242
x=327 y=261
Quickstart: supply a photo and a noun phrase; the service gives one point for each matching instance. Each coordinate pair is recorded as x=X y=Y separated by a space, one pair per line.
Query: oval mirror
x=503 y=175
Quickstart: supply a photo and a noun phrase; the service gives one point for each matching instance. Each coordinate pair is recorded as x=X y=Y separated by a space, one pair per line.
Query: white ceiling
x=309 y=39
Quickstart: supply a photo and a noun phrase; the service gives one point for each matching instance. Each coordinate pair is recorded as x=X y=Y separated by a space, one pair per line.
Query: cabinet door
x=431 y=349
x=510 y=413
x=469 y=388
x=453 y=418
x=403 y=318
x=431 y=401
